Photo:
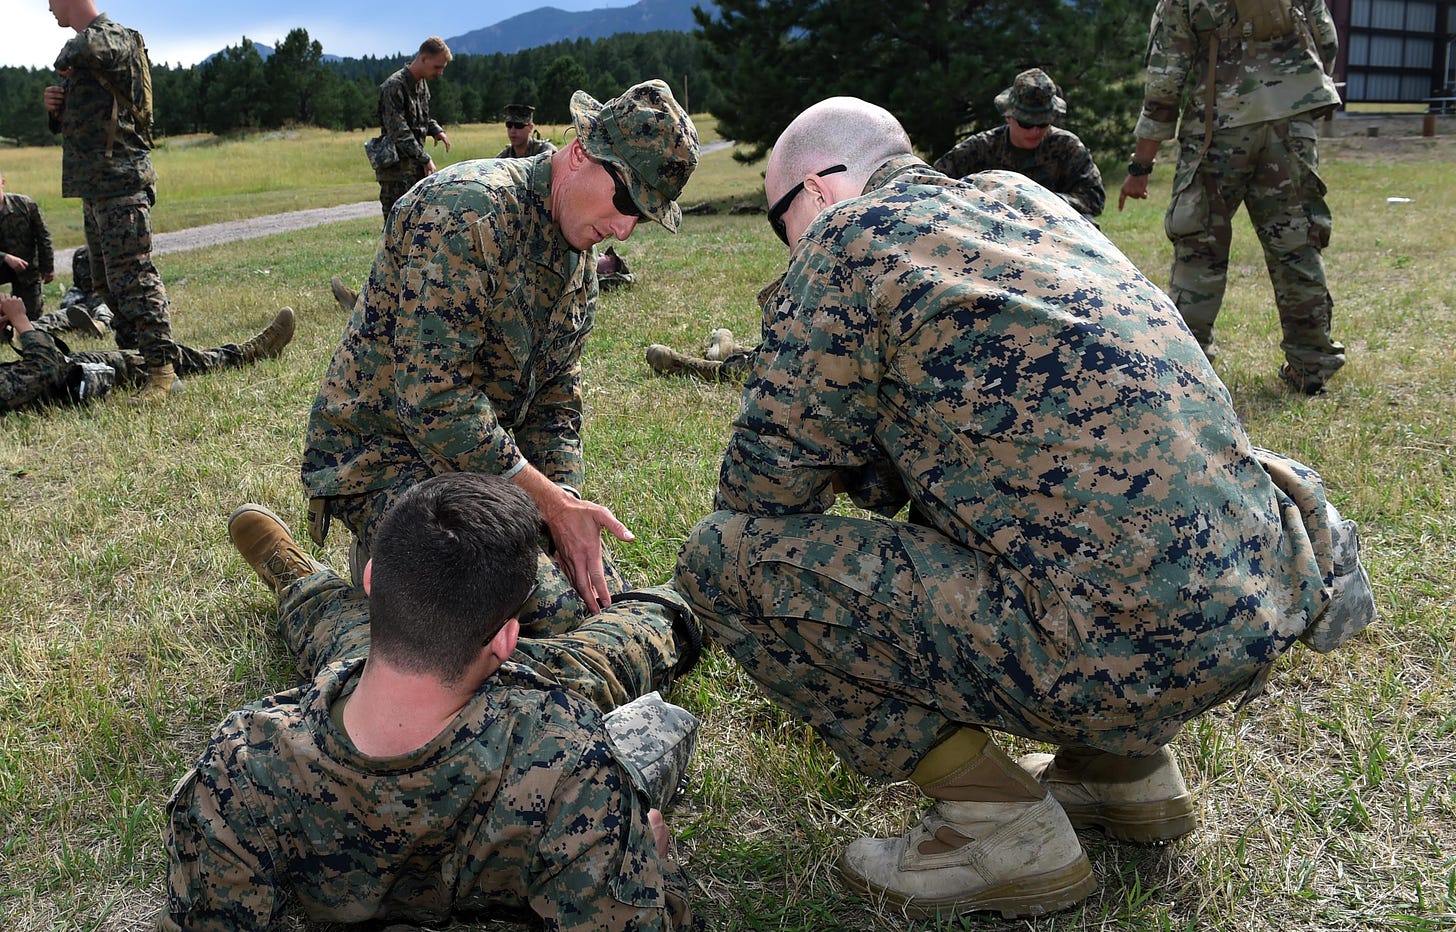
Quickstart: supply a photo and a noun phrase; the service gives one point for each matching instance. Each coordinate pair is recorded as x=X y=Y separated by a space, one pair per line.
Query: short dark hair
x=433 y=46
x=453 y=560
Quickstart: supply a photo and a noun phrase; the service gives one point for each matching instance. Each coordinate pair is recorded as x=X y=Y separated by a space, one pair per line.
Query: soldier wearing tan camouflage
x=437 y=763
x=1250 y=79
x=1030 y=145
x=26 y=259
x=1094 y=552
x=463 y=353
x=106 y=161
x=404 y=116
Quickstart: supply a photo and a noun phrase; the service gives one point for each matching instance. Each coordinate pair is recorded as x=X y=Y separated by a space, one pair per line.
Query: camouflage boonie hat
x=645 y=132
x=1031 y=99
x=520 y=113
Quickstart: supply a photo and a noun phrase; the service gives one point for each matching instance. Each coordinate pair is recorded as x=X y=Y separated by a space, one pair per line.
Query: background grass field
x=130 y=626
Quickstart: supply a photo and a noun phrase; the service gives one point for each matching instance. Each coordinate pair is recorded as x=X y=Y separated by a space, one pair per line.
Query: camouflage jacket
x=404 y=113
x=979 y=348
x=465 y=352
x=1253 y=82
x=23 y=233
x=42 y=364
x=106 y=48
x=1061 y=164
x=533 y=147
x=519 y=804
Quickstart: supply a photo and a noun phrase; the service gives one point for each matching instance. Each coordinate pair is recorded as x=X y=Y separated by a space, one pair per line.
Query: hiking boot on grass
x=266 y=545
x=346 y=296
x=274 y=337
x=82 y=322
x=665 y=360
x=161 y=384
x=995 y=840
x=1141 y=800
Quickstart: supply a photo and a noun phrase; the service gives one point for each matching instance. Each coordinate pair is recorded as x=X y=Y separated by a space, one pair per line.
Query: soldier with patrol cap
x=521 y=131
x=1029 y=144
x=463 y=352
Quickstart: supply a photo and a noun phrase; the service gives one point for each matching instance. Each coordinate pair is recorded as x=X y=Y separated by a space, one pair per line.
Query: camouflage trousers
x=23 y=383
x=1272 y=168
x=119 y=240
x=886 y=636
x=25 y=287
x=397 y=180
x=610 y=658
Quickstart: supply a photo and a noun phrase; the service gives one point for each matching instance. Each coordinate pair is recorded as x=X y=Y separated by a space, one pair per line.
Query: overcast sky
x=183 y=32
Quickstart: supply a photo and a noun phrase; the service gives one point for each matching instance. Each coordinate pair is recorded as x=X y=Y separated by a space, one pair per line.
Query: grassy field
x=130 y=626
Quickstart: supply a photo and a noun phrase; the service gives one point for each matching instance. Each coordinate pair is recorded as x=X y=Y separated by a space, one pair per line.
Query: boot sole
x=1037 y=895
x=1147 y=823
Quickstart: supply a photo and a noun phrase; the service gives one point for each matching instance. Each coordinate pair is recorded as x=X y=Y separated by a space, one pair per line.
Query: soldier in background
x=1094 y=553
x=48 y=371
x=1264 y=79
x=82 y=309
x=506 y=780
x=521 y=131
x=404 y=115
x=1029 y=144
x=26 y=259
x=103 y=113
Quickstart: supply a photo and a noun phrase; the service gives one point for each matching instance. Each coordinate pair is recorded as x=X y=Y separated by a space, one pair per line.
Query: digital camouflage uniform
x=404 y=115
x=1060 y=164
x=46 y=370
x=110 y=169
x=1097 y=552
x=1262 y=153
x=533 y=147
x=464 y=354
x=23 y=234
x=522 y=803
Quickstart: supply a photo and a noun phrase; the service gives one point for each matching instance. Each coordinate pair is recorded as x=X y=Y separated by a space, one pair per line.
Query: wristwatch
x=1139 y=168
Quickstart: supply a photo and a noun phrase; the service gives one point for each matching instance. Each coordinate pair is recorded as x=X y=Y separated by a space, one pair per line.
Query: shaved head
x=839 y=130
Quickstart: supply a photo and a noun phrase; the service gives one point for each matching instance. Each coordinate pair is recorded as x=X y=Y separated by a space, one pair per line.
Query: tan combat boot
x=81 y=321
x=346 y=296
x=665 y=360
x=264 y=542
x=161 y=383
x=274 y=337
x=1142 y=800
x=994 y=840
x=721 y=345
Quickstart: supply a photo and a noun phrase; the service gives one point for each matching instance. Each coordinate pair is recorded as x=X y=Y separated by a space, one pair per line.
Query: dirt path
x=214 y=234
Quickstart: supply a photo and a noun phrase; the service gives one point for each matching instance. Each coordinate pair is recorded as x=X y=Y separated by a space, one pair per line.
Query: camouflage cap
x=647 y=133
x=1031 y=98
x=520 y=113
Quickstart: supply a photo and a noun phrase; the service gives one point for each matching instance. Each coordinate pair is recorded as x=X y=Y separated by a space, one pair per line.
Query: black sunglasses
x=782 y=205
x=1030 y=125
x=512 y=125
x=622 y=195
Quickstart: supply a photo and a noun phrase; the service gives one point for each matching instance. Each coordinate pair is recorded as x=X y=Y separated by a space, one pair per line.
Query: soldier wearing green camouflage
x=500 y=785
x=48 y=371
x=1265 y=76
x=106 y=162
x=520 y=130
x=463 y=353
x=26 y=259
x=1094 y=551
x=1030 y=145
x=404 y=115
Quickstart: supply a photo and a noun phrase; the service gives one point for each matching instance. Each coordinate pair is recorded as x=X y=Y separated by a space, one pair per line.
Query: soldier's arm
x=1084 y=188
x=1173 y=57
x=219 y=879
x=1324 y=33
x=45 y=255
